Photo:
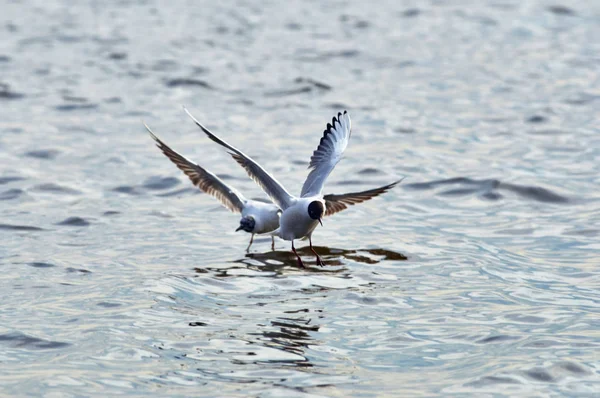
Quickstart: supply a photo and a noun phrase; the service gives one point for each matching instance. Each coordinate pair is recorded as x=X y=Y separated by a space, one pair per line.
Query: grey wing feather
x=328 y=154
x=203 y=179
x=268 y=183
x=337 y=203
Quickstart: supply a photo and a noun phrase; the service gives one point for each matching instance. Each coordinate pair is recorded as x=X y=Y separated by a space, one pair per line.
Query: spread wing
x=337 y=203
x=203 y=179
x=328 y=154
x=268 y=183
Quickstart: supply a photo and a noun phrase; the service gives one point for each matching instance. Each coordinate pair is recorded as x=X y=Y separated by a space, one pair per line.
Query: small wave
x=74 y=222
x=41 y=265
x=43 y=154
x=108 y=305
x=179 y=192
x=74 y=107
x=313 y=82
x=55 y=188
x=21 y=340
x=535 y=193
x=310 y=55
x=126 y=189
x=285 y=93
x=11 y=194
x=369 y=171
x=6 y=180
x=19 y=227
x=497 y=339
x=539 y=374
x=488 y=188
x=7 y=94
x=79 y=270
x=117 y=56
x=179 y=82
x=492 y=380
x=561 y=10
x=304 y=85
x=537 y=119
x=159 y=183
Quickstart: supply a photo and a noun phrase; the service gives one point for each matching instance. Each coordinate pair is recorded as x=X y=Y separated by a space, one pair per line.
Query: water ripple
x=488 y=187
x=485 y=284
x=20 y=340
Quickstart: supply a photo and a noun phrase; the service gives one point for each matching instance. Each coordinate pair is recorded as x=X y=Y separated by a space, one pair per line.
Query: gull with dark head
x=301 y=215
x=258 y=217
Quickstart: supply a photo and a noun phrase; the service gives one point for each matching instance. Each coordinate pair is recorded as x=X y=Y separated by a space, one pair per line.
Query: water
x=478 y=276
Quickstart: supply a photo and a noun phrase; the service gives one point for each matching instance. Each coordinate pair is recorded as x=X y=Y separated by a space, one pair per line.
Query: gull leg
x=300 y=263
x=319 y=261
x=272 y=243
x=250 y=244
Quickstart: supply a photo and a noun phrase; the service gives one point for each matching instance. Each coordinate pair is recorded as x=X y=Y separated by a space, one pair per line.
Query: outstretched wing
x=337 y=203
x=203 y=179
x=268 y=183
x=328 y=154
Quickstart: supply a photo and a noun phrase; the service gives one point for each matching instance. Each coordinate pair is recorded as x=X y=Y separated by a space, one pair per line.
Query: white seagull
x=300 y=215
x=257 y=217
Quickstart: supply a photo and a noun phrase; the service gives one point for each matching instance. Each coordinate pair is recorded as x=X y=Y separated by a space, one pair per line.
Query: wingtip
x=393 y=184
x=190 y=115
x=149 y=130
x=204 y=129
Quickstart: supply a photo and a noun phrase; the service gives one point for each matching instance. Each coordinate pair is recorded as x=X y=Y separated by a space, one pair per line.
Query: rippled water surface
x=478 y=275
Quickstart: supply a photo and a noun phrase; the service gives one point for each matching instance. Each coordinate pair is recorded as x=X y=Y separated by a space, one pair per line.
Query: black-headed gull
x=300 y=215
x=257 y=217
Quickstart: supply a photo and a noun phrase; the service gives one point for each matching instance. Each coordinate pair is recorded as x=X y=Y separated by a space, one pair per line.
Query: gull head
x=316 y=209
x=247 y=223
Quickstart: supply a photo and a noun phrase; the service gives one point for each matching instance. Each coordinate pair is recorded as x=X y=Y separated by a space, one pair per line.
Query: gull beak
x=238 y=228
x=320 y=222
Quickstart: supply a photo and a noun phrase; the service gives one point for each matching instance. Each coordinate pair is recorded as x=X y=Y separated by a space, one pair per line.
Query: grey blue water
x=478 y=276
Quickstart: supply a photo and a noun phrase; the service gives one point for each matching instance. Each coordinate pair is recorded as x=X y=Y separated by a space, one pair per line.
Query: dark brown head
x=316 y=209
x=247 y=224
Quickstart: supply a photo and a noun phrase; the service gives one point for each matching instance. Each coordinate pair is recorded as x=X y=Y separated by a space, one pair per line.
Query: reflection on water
x=293 y=336
x=272 y=260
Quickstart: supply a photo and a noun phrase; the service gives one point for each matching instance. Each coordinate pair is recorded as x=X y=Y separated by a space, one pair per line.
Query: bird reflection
x=333 y=259
x=291 y=335
x=330 y=256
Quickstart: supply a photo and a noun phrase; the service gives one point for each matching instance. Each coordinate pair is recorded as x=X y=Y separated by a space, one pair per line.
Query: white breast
x=266 y=215
x=295 y=223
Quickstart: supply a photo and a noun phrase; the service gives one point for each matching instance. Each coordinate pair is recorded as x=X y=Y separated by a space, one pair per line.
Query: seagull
x=300 y=215
x=258 y=217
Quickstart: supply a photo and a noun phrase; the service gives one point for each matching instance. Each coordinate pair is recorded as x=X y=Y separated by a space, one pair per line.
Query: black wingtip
x=393 y=184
